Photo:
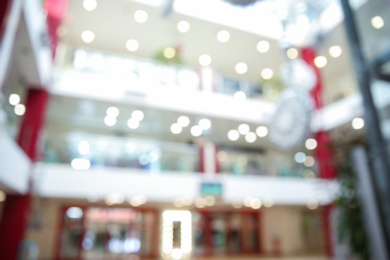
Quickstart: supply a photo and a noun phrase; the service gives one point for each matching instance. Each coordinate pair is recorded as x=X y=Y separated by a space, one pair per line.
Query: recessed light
x=109 y=121
x=196 y=130
x=132 y=123
x=335 y=51
x=223 y=36
x=377 y=22
x=320 y=61
x=112 y=111
x=141 y=16
x=312 y=204
x=241 y=68
x=20 y=109
x=357 y=123
x=262 y=46
x=311 y=144
x=14 y=99
x=176 y=128
x=204 y=60
x=169 y=52
x=261 y=131
x=89 y=5
x=243 y=129
x=183 y=26
x=137 y=115
x=250 y=137
x=299 y=157
x=132 y=45
x=233 y=135
x=205 y=124
x=309 y=162
x=267 y=73
x=183 y=121
x=88 y=36
x=292 y=53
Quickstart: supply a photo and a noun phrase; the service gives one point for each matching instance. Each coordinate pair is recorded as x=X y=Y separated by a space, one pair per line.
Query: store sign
x=211 y=189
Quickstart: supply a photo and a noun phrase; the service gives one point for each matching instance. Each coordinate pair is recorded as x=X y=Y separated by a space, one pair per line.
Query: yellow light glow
x=169 y=52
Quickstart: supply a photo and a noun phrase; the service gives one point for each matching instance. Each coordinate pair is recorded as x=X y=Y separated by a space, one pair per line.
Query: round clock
x=290 y=125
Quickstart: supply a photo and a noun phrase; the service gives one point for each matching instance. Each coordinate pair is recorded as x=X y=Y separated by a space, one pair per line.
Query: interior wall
x=282 y=232
x=43 y=226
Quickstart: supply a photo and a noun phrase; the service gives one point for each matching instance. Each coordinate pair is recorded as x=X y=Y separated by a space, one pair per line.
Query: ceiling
x=113 y=25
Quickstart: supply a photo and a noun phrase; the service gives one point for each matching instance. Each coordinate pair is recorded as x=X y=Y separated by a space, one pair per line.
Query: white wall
x=15 y=166
x=55 y=180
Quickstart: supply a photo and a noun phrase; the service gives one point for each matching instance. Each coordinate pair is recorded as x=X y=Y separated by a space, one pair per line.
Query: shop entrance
x=107 y=233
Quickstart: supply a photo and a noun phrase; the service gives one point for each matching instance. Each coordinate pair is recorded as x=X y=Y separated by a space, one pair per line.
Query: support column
x=10 y=12
x=208 y=163
x=323 y=153
x=16 y=207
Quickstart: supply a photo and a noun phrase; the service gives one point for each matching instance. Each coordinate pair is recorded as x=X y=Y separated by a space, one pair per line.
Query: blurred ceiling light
x=357 y=123
x=89 y=5
x=335 y=51
x=267 y=73
x=80 y=164
x=137 y=115
x=205 y=60
x=74 y=212
x=114 y=198
x=292 y=53
x=14 y=99
x=132 y=123
x=261 y=131
x=311 y=144
x=176 y=128
x=112 y=112
x=309 y=162
x=200 y=202
x=2 y=196
x=20 y=109
x=377 y=22
x=169 y=52
x=140 y=16
x=300 y=157
x=255 y=203
x=241 y=68
x=240 y=95
x=223 y=36
x=312 y=204
x=183 y=26
x=320 y=61
x=268 y=202
x=210 y=201
x=233 y=135
x=183 y=121
x=262 y=46
x=205 y=124
x=243 y=129
x=109 y=121
x=196 y=130
x=87 y=36
x=250 y=137
x=83 y=147
x=132 y=45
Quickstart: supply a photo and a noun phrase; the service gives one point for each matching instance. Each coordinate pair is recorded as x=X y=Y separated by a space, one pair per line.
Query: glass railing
x=256 y=163
x=149 y=72
x=84 y=151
